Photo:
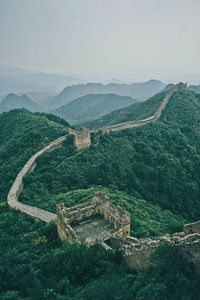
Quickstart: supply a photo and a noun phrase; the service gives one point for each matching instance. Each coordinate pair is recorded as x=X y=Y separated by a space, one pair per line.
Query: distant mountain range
x=189 y=78
x=140 y=90
x=78 y=102
x=16 y=80
x=92 y=106
x=195 y=88
x=12 y=101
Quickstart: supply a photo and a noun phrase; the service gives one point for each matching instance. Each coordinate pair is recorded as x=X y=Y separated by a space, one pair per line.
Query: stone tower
x=81 y=137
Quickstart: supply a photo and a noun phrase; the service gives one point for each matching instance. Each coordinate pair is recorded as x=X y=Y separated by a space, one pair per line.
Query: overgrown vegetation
x=35 y=264
x=22 y=134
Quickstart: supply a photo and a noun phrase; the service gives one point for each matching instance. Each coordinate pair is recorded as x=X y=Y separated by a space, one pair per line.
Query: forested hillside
x=22 y=134
x=151 y=171
x=136 y=111
x=92 y=106
x=138 y=90
x=12 y=101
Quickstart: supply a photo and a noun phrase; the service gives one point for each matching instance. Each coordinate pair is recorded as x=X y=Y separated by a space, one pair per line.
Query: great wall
x=136 y=252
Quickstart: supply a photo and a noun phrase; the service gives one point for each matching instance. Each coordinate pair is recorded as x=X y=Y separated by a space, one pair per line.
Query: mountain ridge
x=138 y=90
x=13 y=101
x=92 y=106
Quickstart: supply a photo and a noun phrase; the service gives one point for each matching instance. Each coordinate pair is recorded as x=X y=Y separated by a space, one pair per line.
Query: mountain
x=3 y=108
x=12 y=101
x=140 y=90
x=136 y=111
x=151 y=171
x=158 y=162
x=91 y=107
x=39 y=98
x=6 y=71
x=16 y=80
x=194 y=88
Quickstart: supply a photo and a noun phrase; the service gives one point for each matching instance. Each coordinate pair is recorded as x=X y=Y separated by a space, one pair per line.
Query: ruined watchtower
x=181 y=86
x=81 y=137
x=97 y=219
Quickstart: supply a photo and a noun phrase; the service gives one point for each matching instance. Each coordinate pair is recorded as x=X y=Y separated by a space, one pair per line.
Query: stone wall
x=81 y=137
x=17 y=186
x=138 y=251
x=192 y=228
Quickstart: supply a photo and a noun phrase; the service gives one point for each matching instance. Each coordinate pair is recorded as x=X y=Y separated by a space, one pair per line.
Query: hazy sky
x=119 y=38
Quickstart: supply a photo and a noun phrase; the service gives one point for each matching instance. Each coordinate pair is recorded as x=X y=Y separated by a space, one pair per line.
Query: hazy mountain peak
x=138 y=90
x=12 y=101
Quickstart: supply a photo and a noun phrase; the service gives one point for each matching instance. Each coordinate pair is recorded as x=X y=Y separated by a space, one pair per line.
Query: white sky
x=118 y=38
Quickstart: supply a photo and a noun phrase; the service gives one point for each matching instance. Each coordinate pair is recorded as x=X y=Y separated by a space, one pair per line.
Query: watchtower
x=81 y=137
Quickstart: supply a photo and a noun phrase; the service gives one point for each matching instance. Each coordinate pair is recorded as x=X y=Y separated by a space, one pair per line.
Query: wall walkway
x=17 y=186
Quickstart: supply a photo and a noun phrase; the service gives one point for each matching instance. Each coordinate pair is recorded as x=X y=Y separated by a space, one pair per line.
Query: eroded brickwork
x=192 y=228
x=70 y=220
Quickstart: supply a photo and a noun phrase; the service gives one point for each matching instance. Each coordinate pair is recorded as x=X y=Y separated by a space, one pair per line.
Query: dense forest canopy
x=151 y=171
x=92 y=106
x=157 y=162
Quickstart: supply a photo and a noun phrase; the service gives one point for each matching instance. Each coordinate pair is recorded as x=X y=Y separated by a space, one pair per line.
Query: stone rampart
x=17 y=186
x=81 y=137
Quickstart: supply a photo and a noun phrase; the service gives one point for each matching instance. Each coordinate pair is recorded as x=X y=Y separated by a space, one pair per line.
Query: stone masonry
x=68 y=220
x=137 y=252
x=81 y=137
